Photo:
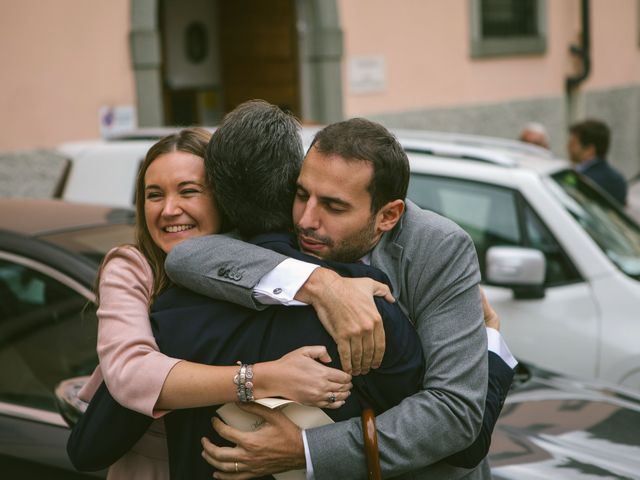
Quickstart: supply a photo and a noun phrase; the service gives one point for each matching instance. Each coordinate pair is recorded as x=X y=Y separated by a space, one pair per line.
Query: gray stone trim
x=512 y=46
x=144 y=14
x=145 y=49
x=320 y=46
x=146 y=57
x=481 y=47
x=618 y=107
x=31 y=173
x=500 y=119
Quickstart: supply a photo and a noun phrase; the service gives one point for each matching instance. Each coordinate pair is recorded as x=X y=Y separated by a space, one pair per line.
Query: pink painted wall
x=61 y=60
x=426 y=45
x=615 y=46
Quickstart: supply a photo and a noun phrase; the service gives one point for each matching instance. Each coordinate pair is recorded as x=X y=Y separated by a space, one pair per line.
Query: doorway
x=218 y=54
x=195 y=60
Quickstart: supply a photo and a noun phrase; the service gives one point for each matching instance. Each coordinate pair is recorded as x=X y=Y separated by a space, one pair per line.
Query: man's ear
x=389 y=215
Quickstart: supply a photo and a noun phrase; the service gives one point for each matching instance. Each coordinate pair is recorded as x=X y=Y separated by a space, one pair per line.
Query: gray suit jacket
x=434 y=272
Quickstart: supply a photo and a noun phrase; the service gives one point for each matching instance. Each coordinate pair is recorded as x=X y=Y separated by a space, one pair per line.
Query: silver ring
x=332 y=397
x=236 y=466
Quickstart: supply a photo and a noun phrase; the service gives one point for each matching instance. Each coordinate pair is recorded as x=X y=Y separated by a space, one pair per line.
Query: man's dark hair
x=592 y=132
x=363 y=140
x=252 y=163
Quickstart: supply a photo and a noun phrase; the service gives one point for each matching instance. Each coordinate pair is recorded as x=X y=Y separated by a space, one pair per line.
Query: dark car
x=49 y=255
x=551 y=426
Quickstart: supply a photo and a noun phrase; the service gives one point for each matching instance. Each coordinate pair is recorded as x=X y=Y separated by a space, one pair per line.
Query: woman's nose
x=172 y=207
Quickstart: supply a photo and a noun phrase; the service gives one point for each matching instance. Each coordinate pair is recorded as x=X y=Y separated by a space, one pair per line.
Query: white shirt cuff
x=498 y=346
x=280 y=285
x=307 y=457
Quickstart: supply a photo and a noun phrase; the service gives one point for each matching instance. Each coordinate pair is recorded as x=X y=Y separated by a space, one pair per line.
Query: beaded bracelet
x=244 y=380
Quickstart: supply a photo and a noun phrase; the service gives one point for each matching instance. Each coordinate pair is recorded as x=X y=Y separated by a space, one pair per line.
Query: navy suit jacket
x=186 y=326
x=609 y=179
x=199 y=329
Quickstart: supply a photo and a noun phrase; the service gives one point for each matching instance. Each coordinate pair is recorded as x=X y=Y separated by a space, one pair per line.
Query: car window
x=487 y=213
x=559 y=270
x=47 y=334
x=492 y=216
x=617 y=235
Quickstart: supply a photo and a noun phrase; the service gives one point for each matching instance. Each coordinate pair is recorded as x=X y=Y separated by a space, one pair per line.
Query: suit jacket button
x=222 y=272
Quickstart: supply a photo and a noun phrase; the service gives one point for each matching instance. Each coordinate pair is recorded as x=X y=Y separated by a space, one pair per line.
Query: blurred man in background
x=588 y=146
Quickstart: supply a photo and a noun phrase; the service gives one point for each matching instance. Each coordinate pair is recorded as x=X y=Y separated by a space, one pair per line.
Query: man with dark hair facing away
x=588 y=145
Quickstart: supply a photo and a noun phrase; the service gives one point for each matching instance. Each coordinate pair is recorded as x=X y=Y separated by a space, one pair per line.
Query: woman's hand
x=301 y=377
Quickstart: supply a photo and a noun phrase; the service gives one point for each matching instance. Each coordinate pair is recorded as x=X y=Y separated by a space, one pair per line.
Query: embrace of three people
x=328 y=287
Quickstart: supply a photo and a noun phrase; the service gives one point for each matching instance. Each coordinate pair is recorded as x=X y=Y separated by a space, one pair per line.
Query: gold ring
x=236 y=467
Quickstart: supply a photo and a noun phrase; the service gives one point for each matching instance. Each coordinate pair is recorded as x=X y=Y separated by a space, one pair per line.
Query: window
x=47 y=334
x=507 y=27
x=559 y=270
x=492 y=216
x=614 y=232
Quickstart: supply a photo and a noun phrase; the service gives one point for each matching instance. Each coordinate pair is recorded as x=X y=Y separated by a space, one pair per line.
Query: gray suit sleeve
x=446 y=416
x=221 y=267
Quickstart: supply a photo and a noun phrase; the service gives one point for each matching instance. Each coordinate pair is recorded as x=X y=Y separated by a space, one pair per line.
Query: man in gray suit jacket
x=350 y=204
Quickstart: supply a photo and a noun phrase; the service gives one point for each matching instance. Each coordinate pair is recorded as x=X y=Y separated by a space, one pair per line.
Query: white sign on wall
x=367 y=74
x=115 y=120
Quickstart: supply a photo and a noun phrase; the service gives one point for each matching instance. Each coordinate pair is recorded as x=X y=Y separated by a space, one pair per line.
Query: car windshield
x=92 y=242
x=614 y=232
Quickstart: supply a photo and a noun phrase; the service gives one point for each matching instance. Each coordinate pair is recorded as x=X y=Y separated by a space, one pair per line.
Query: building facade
x=76 y=69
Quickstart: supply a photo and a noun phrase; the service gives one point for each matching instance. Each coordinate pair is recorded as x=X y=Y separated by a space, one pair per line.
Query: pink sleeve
x=133 y=368
x=89 y=389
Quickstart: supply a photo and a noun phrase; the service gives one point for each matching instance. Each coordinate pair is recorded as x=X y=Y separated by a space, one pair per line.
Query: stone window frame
x=494 y=47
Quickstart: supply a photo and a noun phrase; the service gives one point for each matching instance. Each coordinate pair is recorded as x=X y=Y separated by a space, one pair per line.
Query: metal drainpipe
x=584 y=53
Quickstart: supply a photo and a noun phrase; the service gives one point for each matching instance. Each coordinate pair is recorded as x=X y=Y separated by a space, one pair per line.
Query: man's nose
x=310 y=218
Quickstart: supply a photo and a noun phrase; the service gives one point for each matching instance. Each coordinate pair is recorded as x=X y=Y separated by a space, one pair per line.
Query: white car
x=104 y=171
x=560 y=261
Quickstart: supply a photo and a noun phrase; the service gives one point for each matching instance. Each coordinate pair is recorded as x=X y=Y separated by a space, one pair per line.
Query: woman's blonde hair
x=189 y=140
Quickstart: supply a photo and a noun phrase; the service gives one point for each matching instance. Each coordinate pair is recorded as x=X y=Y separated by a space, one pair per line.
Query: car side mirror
x=518 y=268
x=69 y=404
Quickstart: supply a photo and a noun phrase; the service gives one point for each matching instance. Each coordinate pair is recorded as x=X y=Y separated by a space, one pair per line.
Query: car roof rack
x=477 y=141
x=458 y=152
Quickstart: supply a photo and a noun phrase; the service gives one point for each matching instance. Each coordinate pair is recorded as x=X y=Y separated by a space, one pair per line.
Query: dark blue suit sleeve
x=402 y=368
x=104 y=433
x=500 y=378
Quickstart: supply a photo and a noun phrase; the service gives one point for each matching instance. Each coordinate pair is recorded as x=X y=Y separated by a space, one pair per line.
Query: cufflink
x=277 y=291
